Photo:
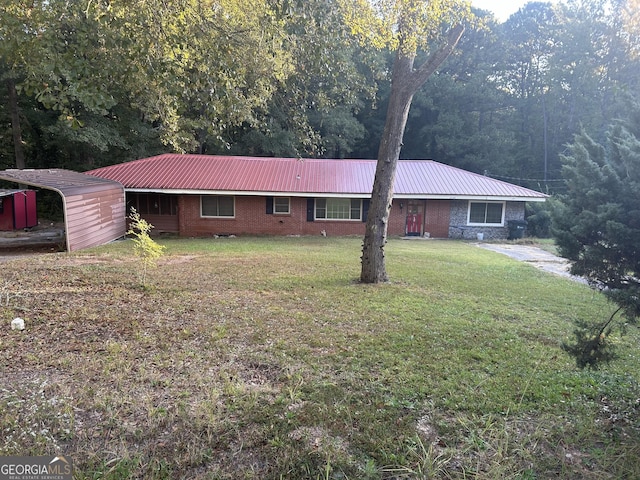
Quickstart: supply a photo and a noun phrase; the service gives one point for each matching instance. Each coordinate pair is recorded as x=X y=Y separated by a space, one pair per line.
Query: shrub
x=144 y=247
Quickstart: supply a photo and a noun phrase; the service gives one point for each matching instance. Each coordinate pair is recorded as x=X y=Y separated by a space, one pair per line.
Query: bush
x=144 y=246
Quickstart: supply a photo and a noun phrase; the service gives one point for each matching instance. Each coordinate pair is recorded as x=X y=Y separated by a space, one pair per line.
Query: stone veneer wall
x=458 y=223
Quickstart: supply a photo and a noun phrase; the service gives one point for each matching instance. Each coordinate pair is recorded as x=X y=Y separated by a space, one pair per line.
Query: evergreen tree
x=597 y=227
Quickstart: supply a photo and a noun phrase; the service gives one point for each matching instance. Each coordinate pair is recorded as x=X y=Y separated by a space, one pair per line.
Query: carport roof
x=66 y=182
x=94 y=208
x=6 y=193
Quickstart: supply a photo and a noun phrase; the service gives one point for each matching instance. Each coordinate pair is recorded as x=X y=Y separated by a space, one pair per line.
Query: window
x=339 y=208
x=486 y=213
x=217 y=206
x=281 y=205
x=153 y=203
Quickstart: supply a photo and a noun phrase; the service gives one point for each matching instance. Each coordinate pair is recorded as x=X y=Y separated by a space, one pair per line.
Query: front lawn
x=266 y=359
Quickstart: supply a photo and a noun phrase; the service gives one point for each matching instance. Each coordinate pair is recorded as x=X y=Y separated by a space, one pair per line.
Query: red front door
x=414 y=219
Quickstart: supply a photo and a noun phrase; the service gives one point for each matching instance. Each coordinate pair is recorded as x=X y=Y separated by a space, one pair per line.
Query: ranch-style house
x=207 y=195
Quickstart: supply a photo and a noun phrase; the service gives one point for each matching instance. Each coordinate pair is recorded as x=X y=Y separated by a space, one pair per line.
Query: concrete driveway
x=537 y=257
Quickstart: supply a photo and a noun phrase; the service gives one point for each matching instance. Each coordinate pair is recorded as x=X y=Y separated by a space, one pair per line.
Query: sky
x=502 y=9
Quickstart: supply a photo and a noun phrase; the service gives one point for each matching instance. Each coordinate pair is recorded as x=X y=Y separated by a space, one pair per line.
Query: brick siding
x=251 y=219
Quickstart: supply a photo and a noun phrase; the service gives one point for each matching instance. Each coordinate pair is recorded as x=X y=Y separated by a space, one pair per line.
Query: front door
x=415 y=214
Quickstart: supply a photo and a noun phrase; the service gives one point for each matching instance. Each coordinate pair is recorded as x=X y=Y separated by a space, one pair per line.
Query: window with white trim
x=217 y=206
x=281 y=205
x=338 y=209
x=486 y=213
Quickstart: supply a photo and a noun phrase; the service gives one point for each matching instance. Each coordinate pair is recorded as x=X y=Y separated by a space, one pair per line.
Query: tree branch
x=422 y=73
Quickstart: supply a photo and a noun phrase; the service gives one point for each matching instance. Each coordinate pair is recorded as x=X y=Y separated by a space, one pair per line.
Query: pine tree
x=597 y=227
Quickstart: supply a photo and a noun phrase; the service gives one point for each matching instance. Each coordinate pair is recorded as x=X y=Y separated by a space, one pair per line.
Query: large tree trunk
x=405 y=82
x=373 y=264
x=15 y=124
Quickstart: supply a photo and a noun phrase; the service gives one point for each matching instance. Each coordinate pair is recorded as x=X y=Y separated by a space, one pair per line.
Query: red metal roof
x=296 y=177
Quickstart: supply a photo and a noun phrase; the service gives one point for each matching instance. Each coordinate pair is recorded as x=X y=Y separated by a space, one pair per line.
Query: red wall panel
x=19 y=211
x=31 y=215
x=6 y=213
x=24 y=209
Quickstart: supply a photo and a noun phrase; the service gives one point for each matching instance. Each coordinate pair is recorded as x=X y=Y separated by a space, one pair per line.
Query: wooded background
x=93 y=83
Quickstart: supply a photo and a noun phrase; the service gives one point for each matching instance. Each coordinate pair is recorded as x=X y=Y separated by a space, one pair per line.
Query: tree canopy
x=91 y=82
x=187 y=69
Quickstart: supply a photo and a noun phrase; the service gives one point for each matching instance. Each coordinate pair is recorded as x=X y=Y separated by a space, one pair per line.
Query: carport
x=94 y=208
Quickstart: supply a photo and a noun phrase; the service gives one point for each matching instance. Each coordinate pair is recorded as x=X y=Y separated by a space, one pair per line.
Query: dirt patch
x=11 y=253
x=177 y=259
x=47 y=237
x=90 y=260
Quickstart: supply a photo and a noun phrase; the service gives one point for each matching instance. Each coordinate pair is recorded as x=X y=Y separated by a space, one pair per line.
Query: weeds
x=262 y=358
x=424 y=462
x=34 y=417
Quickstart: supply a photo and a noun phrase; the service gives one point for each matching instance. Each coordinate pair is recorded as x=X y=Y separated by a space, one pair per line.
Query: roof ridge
x=252 y=157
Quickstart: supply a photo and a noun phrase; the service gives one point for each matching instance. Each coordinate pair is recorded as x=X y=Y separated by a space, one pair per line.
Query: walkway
x=537 y=257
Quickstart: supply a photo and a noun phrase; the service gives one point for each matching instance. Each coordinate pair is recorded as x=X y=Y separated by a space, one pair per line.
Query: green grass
x=265 y=358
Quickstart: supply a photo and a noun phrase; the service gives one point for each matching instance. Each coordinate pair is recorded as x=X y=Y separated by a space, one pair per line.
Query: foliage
x=144 y=247
x=591 y=348
x=189 y=68
x=265 y=358
x=597 y=223
x=106 y=82
x=311 y=112
x=407 y=26
x=539 y=219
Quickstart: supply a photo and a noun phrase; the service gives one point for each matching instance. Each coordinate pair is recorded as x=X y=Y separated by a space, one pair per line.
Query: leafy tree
x=566 y=67
x=188 y=69
x=597 y=227
x=16 y=129
x=407 y=26
x=630 y=16
x=530 y=36
x=459 y=117
x=312 y=111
